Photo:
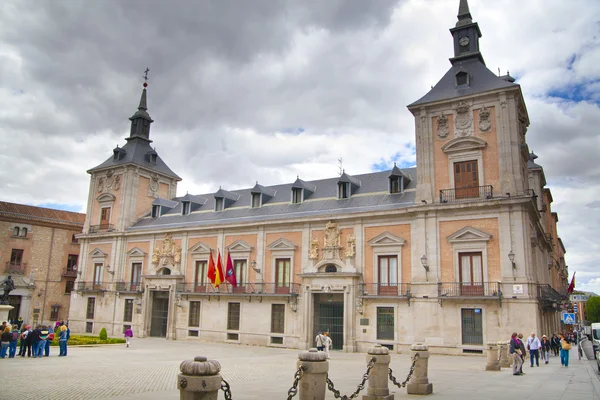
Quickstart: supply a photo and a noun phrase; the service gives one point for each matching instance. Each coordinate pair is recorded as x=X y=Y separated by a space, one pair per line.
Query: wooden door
x=471 y=274
x=282 y=275
x=466 y=179
x=201 y=277
x=388 y=275
x=104 y=217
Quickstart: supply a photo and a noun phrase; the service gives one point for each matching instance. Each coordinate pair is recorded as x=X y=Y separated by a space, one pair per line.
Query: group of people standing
x=323 y=342
x=32 y=342
x=538 y=348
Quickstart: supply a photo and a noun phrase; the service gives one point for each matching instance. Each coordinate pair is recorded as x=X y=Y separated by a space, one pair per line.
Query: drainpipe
x=47 y=275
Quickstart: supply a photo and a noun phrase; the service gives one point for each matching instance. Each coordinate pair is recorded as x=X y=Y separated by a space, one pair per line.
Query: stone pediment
x=106 y=198
x=239 y=246
x=199 y=248
x=282 y=244
x=136 y=252
x=467 y=143
x=386 y=239
x=469 y=234
x=97 y=253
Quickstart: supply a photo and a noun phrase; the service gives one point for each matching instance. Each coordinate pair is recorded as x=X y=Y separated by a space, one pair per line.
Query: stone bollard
x=314 y=379
x=504 y=361
x=199 y=379
x=492 y=359
x=419 y=382
x=378 y=379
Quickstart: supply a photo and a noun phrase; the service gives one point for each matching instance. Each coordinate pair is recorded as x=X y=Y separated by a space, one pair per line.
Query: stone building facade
x=461 y=250
x=40 y=251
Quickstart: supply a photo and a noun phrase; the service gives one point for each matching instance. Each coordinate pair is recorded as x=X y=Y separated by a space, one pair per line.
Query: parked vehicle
x=596 y=339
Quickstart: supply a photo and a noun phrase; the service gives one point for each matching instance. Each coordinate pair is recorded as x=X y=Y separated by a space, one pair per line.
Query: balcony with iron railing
x=477 y=290
x=547 y=293
x=14 y=268
x=258 y=289
x=468 y=194
x=69 y=272
x=101 y=228
x=129 y=287
x=93 y=287
x=384 y=289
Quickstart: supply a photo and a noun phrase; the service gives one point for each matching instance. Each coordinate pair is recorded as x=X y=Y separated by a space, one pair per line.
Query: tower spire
x=140 y=121
x=464 y=15
x=466 y=35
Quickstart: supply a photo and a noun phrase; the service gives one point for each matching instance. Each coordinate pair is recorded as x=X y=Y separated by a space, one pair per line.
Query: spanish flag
x=219 y=277
x=211 y=269
x=572 y=285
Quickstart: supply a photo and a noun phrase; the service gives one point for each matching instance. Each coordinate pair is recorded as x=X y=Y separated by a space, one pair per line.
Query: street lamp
x=511 y=257
x=253 y=265
x=424 y=262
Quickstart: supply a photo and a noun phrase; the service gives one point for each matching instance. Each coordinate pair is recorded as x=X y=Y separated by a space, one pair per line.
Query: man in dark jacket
x=35 y=335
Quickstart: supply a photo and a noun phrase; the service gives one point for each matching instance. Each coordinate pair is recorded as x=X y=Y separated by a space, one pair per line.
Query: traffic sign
x=569 y=318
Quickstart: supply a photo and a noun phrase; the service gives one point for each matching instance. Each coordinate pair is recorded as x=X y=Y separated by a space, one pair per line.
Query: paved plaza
x=149 y=368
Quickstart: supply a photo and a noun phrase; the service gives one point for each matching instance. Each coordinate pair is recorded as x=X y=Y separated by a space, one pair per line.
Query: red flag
x=211 y=269
x=219 y=272
x=572 y=285
x=230 y=272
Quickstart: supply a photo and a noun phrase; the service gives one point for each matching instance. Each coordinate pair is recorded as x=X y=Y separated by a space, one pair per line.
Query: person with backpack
x=5 y=341
x=12 y=347
x=128 y=335
x=320 y=341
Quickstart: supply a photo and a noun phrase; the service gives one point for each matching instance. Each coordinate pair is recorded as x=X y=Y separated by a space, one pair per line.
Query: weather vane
x=146 y=77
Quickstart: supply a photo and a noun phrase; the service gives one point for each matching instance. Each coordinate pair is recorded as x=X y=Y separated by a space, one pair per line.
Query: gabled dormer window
x=219 y=202
x=185 y=207
x=151 y=156
x=155 y=211
x=256 y=203
x=343 y=190
x=462 y=78
x=297 y=195
x=118 y=153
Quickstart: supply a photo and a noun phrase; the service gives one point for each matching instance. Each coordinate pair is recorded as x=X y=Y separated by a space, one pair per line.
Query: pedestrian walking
x=5 y=341
x=555 y=344
x=23 y=342
x=62 y=341
x=523 y=351
x=565 y=347
x=320 y=341
x=533 y=345
x=128 y=335
x=545 y=349
x=327 y=343
x=515 y=352
x=14 y=339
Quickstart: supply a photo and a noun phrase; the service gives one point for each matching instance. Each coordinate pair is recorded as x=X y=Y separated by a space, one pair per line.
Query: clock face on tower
x=464 y=41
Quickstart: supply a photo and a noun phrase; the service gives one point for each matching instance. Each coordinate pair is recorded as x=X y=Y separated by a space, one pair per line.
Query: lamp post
x=426 y=266
x=511 y=257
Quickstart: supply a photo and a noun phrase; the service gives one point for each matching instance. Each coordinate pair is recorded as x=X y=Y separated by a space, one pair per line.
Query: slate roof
x=481 y=80
x=372 y=195
x=48 y=215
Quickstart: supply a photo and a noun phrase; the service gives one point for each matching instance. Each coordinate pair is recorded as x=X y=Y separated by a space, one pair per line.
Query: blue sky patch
x=64 y=207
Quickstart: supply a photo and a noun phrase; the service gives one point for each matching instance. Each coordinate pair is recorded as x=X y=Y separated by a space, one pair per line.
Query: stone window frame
x=472 y=306
x=98 y=257
x=393 y=247
x=281 y=249
x=473 y=155
x=105 y=200
x=136 y=256
x=470 y=245
x=200 y=252
x=240 y=251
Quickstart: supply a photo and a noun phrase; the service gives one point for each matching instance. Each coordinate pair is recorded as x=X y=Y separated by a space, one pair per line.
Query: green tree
x=103 y=335
x=592 y=309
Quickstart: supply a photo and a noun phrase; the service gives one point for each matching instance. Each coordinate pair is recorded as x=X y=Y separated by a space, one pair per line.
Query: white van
x=596 y=341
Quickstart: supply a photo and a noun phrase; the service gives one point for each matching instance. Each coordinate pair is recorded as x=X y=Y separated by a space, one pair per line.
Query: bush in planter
x=103 y=335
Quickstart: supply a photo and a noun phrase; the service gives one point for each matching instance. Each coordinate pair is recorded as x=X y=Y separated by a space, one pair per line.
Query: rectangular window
x=282 y=275
x=466 y=179
x=255 y=200
x=136 y=276
x=296 y=195
x=193 y=333
x=72 y=262
x=74 y=238
x=128 y=311
x=155 y=211
x=472 y=326
x=91 y=307
x=89 y=327
x=201 y=277
x=97 y=274
x=471 y=274
x=233 y=316
x=16 y=256
x=388 y=275
x=104 y=217
x=395 y=184
x=194 y=317
x=54 y=312
x=276 y=340
x=185 y=207
x=69 y=285
x=343 y=190
x=277 y=318
x=239 y=266
x=385 y=323
x=219 y=204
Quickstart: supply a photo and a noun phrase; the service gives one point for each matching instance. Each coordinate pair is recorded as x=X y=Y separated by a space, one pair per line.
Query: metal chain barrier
x=410 y=372
x=361 y=386
x=226 y=389
x=297 y=376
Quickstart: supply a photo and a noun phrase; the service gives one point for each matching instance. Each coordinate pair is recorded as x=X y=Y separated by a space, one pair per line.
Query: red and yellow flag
x=211 y=269
x=572 y=285
x=219 y=277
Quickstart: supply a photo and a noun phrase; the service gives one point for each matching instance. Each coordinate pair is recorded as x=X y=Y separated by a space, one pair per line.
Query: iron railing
x=479 y=289
x=463 y=195
x=13 y=268
x=101 y=228
x=93 y=287
x=69 y=273
x=130 y=287
x=241 y=289
x=546 y=292
x=385 y=289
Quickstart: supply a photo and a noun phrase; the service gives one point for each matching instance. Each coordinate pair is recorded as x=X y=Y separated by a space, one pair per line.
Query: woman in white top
x=327 y=343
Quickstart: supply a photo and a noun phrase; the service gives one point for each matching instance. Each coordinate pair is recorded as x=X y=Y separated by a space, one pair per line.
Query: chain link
x=297 y=376
x=361 y=386
x=226 y=389
x=410 y=372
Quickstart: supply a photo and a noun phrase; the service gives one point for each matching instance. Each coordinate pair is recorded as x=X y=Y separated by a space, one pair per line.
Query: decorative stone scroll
x=111 y=182
x=153 y=186
x=350 y=246
x=443 y=129
x=463 y=121
x=313 y=252
x=485 y=124
x=167 y=253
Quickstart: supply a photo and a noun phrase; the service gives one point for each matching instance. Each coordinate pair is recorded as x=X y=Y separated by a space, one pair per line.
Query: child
x=128 y=336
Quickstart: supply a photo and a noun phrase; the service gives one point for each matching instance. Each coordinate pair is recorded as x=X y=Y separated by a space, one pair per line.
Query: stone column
x=378 y=379
x=314 y=380
x=419 y=382
x=492 y=359
x=504 y=362
x=199 y=379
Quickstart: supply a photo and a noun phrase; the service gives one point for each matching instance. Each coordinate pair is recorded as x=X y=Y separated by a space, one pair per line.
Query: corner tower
x=124 y=186
x=470 y=127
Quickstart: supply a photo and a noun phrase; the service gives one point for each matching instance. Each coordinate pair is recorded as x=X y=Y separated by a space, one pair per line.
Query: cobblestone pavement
x=148 y=370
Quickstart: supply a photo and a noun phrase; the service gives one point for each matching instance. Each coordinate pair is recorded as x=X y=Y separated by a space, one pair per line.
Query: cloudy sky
x=266 y=90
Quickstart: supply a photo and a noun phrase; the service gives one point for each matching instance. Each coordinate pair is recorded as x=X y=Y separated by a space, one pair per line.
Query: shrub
x=103 y=335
